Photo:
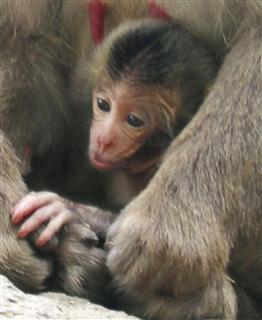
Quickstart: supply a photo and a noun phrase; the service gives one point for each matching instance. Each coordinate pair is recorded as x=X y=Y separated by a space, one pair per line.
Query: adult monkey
x=29 y=91
x=41 y=42
x=210 y=177
x=179 y=250
x=17 y=257
x=198 y=224
x=175 y=249
x=37 y=55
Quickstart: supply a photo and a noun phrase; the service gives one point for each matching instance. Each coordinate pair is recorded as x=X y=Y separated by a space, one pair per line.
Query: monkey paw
x=81 y=264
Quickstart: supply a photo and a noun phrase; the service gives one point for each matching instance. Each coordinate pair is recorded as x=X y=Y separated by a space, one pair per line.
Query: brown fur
x=36 y=60
x=16 y=257
x=164 y=107
x=41 y=42
x=178 y=251
x=185 y=230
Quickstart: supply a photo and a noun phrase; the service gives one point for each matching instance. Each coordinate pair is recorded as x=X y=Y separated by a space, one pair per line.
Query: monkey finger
x=30 y=203
x=82 y=233
x=38 y=218
x=90 y=238
x=53 y=227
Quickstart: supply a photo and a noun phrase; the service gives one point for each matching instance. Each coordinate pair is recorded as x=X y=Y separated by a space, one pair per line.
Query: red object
x=97 y=11
x=155 y=11
x=27 y=152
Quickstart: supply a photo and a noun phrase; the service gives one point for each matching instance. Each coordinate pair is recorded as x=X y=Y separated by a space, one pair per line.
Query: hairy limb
x=81 y=268
x=79 y=259
x=173 y=243
x=48 y=213
x=99 y=220
x=37 y=209
x=18 y=261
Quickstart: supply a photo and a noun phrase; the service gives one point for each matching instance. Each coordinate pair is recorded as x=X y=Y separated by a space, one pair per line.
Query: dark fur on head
x=159 y=52
x=164 y=56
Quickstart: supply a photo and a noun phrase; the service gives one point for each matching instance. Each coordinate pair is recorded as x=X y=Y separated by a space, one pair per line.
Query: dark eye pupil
x=134 y=121
x=103 y=105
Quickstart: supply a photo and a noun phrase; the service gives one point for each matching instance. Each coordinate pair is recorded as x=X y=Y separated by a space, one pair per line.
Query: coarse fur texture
x=40 y=118
x=190 y=230
x=30 y=91
x=16 y=257
x=46 y=122
x=179 y=250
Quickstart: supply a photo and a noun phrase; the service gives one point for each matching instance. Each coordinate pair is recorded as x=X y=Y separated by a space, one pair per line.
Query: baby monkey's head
x=148 y=79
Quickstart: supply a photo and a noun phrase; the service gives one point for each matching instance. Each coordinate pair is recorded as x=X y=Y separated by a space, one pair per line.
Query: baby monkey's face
x=120 y=126
x=125 y=116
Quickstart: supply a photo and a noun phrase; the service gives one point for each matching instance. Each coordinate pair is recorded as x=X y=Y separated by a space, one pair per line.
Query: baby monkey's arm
x=48 y=213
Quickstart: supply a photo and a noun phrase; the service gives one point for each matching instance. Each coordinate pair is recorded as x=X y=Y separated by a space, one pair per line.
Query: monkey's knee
x=217 y=300
x=21 y=264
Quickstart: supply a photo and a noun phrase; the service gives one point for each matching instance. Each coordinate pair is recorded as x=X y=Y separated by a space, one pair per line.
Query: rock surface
x=17 y=305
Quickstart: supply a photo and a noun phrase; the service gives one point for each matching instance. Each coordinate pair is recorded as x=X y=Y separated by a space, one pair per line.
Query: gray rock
x=17 y=305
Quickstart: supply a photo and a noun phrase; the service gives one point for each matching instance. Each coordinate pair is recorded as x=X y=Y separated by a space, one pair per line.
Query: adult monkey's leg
x=172 y=246
x=17 y=259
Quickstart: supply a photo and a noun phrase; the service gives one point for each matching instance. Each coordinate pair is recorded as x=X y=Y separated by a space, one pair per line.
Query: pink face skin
x=118 y=129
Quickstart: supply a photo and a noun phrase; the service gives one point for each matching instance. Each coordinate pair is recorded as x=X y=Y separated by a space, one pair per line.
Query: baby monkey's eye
x=103 y=105
x=134 y=121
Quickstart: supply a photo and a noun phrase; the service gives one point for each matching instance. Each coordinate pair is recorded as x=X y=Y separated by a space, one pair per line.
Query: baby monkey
x=147 y=79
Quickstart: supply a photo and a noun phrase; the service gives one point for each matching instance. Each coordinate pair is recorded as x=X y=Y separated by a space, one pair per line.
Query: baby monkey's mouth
x=103 y=164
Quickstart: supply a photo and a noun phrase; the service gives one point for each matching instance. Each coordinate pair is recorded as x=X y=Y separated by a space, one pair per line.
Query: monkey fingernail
x=91 y=239
x=15 y=219
x=109 y=245
x=17 y=215
x=41 y=242
x=22 y=233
